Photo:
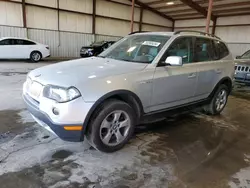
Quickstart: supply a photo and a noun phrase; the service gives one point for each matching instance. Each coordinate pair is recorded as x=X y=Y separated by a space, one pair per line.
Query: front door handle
x=192 y=75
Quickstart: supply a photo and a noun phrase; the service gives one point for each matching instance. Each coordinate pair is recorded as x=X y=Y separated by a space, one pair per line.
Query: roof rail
x=137 y=32
x=200 y=32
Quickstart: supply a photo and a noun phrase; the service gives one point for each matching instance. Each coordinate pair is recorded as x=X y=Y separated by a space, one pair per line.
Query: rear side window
x=203 y=50
x=221 y=50
x=23 y=42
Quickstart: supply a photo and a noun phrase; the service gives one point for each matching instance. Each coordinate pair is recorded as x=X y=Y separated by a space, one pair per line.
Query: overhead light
x=170 y=3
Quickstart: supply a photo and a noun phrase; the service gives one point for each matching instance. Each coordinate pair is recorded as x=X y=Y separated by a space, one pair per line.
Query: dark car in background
x=242 y=68
x=95 y=48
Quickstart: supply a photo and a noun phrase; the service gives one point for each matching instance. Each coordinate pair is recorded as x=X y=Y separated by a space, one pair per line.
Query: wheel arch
x=124 y=95
x=226 y=81
x=38 y=52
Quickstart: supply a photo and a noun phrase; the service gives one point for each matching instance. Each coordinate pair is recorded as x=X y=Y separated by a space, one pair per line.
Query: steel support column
x=214 y=26
x=141 y=18
x=132 y=16
x=209 y=13
x=24 y=14
x=94 y=17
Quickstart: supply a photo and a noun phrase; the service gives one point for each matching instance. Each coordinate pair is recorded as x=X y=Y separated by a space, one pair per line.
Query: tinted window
x=182 y=47
x=220 y=49
x=23 y=42
x=203 y=50
x=6 y=42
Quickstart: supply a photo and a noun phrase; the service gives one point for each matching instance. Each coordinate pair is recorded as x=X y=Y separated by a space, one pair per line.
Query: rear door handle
x=192 y=75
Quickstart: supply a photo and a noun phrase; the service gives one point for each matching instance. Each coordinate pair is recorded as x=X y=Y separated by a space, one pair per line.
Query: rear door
x=209 y=65
x=6 y=49
x=23 y=48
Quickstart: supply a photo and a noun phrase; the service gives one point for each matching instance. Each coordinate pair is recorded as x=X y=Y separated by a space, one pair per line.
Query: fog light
x=55 y=111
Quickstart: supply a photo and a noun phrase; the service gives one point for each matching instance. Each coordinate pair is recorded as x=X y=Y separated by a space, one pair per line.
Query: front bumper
x=58 y=128
x=242 y=77
x=242 y=80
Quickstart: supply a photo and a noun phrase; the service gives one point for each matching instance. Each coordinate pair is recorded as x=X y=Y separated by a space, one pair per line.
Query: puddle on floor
x=11 y=124
x=62 y=154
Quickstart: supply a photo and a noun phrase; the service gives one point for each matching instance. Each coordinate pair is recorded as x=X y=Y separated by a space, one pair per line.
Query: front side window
x=203 y=50
x=182 y=47
x=6 y=42
x=137 y=48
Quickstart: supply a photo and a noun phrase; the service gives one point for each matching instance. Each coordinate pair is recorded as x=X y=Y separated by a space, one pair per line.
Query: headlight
x=61 y=94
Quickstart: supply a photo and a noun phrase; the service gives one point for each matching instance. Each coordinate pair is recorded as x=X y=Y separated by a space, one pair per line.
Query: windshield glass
x=246 y=55
x=138 y=48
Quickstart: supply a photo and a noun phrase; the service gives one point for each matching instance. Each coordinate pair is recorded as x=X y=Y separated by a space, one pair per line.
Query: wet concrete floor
x=204 y=151
x=191 y=150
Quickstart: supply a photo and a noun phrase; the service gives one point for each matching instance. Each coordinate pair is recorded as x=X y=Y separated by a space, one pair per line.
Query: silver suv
x=141 y=76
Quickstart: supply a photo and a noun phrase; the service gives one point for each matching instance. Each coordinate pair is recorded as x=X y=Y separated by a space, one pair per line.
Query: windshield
x=138 y=48
x=246 y=55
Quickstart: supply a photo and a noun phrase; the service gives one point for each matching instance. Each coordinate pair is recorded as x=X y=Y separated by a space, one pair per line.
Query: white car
x=19 y=48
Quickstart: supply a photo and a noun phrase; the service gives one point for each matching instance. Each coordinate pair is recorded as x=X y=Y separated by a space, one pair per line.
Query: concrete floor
x=192 y=150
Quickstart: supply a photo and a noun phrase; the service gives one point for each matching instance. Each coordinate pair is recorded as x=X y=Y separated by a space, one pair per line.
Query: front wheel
x=35 y=56
x=111 y=126
x=218 y=101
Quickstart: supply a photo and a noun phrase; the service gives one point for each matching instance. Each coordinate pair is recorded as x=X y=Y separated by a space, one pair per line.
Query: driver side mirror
x=174 y=61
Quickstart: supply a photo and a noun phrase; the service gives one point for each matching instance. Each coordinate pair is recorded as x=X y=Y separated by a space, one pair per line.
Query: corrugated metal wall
x=62 y=44
x=68 y=29
x=106 y=38
x=71 y=43
x=12 y=31
x=48 y=37
x=238 y=48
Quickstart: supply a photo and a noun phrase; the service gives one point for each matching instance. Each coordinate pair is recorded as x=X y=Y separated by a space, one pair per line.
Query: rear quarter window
x=221 y=50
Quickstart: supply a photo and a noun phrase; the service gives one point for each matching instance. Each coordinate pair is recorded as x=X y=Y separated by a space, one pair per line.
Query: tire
x=35 y=56
x=218 y=102
x=107 y=131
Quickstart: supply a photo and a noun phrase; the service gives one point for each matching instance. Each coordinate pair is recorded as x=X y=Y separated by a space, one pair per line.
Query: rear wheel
x=35 y=56
x=111 y=126
x=218 y=101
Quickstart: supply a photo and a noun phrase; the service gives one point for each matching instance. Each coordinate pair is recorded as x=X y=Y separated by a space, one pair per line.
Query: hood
x=242 y=61
x=71 y=73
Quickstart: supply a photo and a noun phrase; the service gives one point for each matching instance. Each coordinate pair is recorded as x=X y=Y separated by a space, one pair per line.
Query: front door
x=175 y=85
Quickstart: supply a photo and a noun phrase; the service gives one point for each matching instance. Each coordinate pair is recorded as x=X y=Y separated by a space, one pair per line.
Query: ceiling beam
x=146 y=7
x=198 y=8
x=235 y=14
x=157 y=4
x=215 y=7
